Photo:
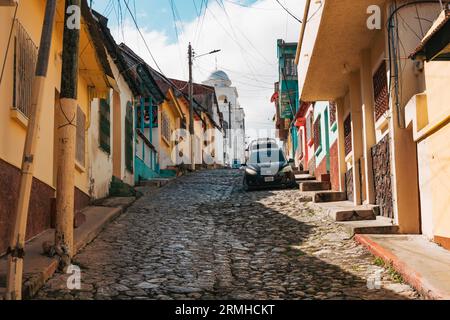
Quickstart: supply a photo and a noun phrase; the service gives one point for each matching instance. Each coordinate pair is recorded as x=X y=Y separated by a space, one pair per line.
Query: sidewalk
x=421 y=263
x=39 y=268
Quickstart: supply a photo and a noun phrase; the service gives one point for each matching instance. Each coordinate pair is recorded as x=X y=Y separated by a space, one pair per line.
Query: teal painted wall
x=321 y=109
x=142 y=171
x=287 y=83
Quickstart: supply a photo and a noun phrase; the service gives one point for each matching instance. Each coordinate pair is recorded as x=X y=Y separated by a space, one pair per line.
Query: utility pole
x=191 y=107
x=17 y=242
x=65 y=186
x=191 y=54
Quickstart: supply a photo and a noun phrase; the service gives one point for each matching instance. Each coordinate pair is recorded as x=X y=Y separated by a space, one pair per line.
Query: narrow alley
x=202 y=237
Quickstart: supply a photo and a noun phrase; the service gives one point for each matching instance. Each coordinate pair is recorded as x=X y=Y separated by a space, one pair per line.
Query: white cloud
x=247 y=38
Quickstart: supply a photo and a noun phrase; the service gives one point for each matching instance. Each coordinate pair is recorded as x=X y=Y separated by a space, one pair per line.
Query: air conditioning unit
x=9 y=3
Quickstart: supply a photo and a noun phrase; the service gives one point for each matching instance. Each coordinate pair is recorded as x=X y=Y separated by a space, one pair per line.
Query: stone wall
x=39 y=218
x=42 y=204
x=349 y=184
x=382 y=177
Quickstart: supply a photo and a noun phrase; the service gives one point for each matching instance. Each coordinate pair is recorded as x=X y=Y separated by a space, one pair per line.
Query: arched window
x=223 y=99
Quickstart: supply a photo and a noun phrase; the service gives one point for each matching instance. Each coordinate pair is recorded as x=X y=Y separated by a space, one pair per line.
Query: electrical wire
x=243 y=5
x=289 y=12
x=235 y=39
x=245 y=37
x=393 y=52
x=174 y=16
x=142 y=36
x=9 y=42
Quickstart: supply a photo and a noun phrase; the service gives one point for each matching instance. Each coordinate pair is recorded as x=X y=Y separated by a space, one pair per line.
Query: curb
x=411 y=276
x=32 y=285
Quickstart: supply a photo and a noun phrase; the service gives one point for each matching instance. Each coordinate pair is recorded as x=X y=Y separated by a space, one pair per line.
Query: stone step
x=324 y=178
x=380 y=225
x=357 y=214
x=304 y=177
x=329 y=196
x=315 y=186
x=346 y=211
x=296 y=171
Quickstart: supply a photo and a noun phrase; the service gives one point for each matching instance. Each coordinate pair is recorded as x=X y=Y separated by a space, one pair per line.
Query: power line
x=142 y=36
x=243 y=5
x=174 y=15
x=9 y=42
x=243 y=34
x=289 y=12
x=201 y=20
x=235 y=38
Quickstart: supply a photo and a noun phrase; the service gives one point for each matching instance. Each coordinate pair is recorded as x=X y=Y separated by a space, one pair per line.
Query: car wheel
x=245 y=185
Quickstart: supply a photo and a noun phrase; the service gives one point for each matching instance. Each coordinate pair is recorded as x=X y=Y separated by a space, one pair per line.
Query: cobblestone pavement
x=202 y=237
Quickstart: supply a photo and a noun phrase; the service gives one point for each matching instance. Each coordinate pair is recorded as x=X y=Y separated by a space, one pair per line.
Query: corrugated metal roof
x=445 y=20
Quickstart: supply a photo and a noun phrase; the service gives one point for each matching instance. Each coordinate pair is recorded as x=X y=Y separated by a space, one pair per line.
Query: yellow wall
x=434 y=179
x=432 y=132
x=12 y=131
x=165 y=147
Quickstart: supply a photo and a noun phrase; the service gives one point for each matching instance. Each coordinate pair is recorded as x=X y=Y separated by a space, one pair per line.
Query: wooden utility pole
x=65 y=185
x=191 y=108
x=17 y=242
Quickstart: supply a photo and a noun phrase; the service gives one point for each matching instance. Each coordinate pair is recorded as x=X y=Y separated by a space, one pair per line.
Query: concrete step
x=304 y=177
x=315 y=186
x=329 y=196
x=357 y=214
x=296 y=171
x=380 y=225
x=347 y=211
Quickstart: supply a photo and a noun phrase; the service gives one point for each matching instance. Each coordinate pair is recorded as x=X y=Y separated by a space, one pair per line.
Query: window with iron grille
x=348 y=134
x=105 y=126
x=165 y=126
x=333 y=110
x=309 y=121
x=81 y=137
x=290 y=68
x=129 y=137
x=25 y=57
x=317 y=134
x=381 y=92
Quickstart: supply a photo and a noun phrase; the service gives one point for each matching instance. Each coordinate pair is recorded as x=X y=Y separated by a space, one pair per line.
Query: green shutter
x=129 y=137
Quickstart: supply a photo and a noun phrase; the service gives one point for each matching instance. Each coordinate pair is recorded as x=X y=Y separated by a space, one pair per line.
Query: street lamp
x=191 y=99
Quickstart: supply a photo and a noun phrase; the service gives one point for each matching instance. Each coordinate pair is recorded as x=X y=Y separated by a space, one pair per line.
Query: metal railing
x=25 y=57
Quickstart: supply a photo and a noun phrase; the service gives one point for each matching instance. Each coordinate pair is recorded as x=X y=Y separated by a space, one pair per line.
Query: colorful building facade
x=391 y=109
x=288 y=101
x=94 y=81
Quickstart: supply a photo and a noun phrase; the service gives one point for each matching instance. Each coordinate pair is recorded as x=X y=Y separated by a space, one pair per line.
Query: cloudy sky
x=245 y=31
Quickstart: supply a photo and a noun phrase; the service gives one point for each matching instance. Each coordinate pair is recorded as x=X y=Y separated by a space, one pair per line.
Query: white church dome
x=219 y=79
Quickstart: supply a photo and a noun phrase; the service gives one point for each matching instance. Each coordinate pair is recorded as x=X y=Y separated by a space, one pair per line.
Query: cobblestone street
x=202 y=237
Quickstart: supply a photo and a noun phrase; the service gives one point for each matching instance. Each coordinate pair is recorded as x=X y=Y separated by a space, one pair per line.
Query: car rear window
x=267 y=156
